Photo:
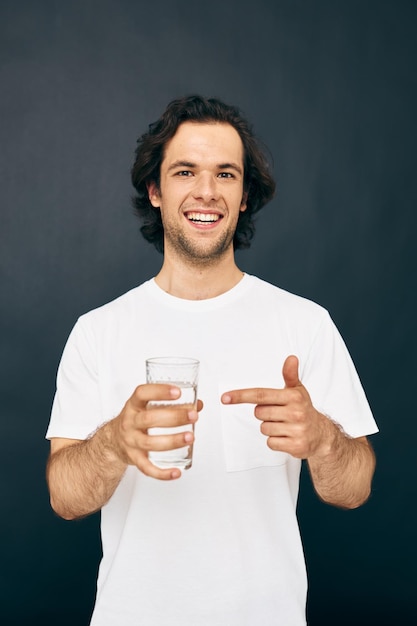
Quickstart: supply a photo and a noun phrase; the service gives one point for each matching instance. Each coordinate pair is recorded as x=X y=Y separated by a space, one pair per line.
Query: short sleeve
x=333 y=383
x=76 y=410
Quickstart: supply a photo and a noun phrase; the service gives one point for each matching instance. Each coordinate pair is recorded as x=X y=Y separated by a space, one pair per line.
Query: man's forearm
x=342 y=474
x=82 y=477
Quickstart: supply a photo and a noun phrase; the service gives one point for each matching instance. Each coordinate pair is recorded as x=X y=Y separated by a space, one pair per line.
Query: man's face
x=201 y=191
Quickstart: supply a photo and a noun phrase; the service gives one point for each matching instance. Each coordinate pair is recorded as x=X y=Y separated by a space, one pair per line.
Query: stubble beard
x=199 y=253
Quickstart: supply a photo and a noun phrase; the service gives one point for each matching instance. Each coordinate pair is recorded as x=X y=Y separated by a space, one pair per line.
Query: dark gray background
x=331 y=88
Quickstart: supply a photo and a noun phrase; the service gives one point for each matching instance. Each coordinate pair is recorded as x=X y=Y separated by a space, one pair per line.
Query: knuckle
x=265 y=428
x=146 y=418
x=137 y=394
x=299 y=395
x=260 y=395
x=272 y=443
x=259 y=412
x=129 y=441
x=298 y=417
x=122 y=429
x=299 y=448
x=296 y=396
x=146 y=443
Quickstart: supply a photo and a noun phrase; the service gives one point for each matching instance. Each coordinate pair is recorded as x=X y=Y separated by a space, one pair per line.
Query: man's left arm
x=341 y=467
x=342 y=470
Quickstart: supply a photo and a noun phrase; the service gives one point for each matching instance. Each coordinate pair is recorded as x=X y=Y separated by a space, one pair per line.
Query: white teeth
x=203 y=217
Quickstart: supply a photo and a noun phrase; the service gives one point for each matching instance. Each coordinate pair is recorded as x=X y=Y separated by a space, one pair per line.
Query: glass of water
x=183 y=373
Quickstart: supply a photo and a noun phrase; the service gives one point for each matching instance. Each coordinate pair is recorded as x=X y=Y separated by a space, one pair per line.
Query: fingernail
x=175 y=392
x=192 y=416
x=188 y=437
x=226 y=399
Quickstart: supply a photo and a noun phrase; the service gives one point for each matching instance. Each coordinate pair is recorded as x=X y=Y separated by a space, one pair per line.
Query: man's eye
x=184 y=173
x=225 y=175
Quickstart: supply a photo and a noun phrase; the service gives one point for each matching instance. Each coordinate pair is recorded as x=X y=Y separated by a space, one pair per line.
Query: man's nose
x=206 y=188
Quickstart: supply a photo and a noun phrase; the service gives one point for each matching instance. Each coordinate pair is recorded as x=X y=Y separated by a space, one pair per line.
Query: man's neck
x=198 y=282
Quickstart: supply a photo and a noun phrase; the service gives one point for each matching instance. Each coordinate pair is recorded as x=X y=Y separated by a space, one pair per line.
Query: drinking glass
x=183 y=373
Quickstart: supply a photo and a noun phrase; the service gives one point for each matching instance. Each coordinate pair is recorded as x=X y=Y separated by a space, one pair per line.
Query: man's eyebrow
x=230 y=166
x=191 y=165
x=176 y=164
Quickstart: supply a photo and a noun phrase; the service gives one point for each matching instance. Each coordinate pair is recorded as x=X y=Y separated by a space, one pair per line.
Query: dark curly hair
x=257 y=183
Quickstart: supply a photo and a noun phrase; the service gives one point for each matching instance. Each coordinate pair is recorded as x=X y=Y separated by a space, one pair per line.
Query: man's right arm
x=82 y=475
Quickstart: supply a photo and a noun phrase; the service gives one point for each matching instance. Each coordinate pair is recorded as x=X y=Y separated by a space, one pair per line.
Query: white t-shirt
x=221 y=545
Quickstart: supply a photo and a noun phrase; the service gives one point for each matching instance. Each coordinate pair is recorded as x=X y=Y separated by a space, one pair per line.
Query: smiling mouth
x=203 y=218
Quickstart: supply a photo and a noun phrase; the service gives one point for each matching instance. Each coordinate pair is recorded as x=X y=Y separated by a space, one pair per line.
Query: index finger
x=254 y=395
x=153 y=391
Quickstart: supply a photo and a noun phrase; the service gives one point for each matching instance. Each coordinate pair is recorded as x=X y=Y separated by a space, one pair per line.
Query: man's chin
x=203 y=253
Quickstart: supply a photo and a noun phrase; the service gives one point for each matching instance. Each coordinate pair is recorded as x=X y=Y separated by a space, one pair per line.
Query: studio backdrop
x=330 y=87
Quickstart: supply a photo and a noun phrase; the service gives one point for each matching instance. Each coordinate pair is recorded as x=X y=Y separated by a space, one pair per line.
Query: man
x=220 y=546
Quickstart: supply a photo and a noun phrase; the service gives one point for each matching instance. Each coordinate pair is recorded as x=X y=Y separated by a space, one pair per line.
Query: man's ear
x=154 y=194
x=243 y=205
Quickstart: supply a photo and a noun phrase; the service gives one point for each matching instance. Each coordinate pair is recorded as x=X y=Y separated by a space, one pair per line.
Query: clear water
x=179 y=457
